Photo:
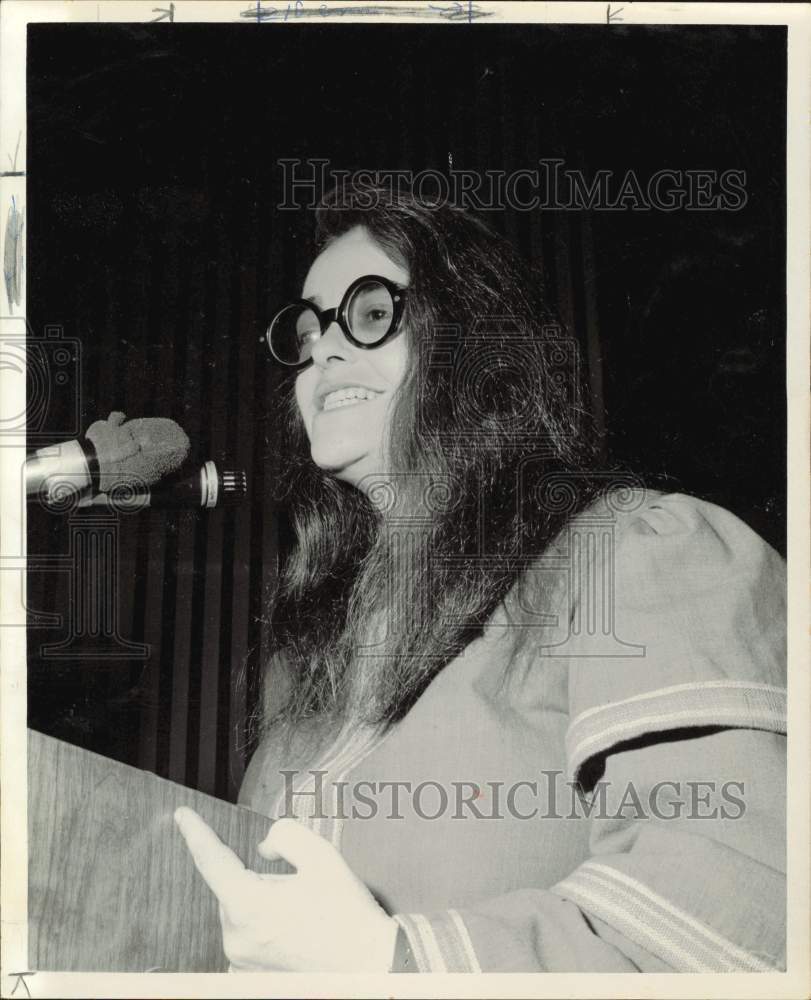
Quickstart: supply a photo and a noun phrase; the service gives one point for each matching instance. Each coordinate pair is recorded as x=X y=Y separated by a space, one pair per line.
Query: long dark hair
x=390 y=583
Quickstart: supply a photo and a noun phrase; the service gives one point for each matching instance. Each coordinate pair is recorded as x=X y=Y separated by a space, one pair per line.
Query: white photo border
x=15 y=15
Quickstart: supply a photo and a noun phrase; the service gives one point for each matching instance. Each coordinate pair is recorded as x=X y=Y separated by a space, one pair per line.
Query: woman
x=524 y=716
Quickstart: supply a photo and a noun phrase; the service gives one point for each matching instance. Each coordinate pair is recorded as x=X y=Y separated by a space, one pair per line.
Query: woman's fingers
x=321 y=919
x=222 y=870
x=298 y=845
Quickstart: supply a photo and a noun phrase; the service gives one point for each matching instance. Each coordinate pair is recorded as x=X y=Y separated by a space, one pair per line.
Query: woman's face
x=348 y=440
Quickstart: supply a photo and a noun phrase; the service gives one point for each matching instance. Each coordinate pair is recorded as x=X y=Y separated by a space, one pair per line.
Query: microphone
x=207 y=488
x=115 y=452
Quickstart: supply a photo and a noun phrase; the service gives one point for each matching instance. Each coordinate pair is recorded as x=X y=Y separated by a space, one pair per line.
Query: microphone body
x=74 y=462
x=206 y=489
x=114 y=453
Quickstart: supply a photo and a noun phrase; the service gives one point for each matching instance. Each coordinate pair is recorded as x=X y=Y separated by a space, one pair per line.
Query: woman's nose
x=331 y=346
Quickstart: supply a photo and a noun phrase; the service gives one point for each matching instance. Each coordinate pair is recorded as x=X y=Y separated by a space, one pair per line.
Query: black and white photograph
x=406 y=512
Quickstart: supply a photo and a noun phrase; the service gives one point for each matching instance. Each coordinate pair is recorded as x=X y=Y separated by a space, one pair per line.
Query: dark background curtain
x=156 y=251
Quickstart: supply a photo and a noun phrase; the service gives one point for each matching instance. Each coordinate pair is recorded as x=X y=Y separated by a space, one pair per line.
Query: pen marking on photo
x=458 y=11
x=13 y=255
x=14 y=172
x=166 y=14
x=20 y=976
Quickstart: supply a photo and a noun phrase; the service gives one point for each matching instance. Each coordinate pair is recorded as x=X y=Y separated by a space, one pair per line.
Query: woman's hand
x=320 y=919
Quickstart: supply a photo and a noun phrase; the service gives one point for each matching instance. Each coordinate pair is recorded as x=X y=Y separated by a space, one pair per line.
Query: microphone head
x=138 y=452
x=234 y=486
x=222 y=488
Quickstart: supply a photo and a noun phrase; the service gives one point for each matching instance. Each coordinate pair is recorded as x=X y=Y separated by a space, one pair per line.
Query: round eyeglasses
x=368 y=315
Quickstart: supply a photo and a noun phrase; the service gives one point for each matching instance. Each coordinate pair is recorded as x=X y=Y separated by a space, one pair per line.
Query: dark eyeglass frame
x=327 y=317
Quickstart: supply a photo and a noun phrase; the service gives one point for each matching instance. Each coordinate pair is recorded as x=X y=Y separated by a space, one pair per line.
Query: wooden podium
x=111 y=884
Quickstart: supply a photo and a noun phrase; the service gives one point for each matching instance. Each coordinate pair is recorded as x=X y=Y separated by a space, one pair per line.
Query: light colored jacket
x=615 y=800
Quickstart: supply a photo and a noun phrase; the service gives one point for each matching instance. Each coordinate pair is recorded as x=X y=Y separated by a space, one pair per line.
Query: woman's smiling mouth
x=348 y=396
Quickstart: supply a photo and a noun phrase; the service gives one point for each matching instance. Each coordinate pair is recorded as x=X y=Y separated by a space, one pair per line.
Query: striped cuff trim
x=440 y=943
x=648 y=919
x=703 y=703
